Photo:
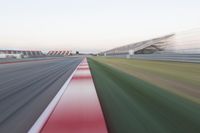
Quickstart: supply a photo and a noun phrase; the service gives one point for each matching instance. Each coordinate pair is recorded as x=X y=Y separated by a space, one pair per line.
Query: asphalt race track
x=27 y=88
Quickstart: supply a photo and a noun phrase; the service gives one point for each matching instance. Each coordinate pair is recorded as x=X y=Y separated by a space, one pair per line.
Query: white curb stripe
x=47 y=112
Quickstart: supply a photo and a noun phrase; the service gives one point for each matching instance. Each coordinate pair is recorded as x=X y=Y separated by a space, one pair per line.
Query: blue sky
x=91 y=25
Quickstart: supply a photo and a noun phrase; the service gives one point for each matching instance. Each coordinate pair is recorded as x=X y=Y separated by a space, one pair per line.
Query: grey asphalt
x=11 y=60
x=27 y=88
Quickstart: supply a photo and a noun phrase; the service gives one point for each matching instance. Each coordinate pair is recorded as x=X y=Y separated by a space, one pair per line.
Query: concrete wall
x=17 y=56
x=23 y=53
x=59 y=53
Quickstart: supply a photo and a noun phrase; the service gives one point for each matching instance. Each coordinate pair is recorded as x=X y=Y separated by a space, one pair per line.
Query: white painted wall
x=18 y=56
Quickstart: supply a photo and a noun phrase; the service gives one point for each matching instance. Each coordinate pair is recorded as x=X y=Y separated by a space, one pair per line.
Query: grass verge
x=177 y=77
x=133 y=105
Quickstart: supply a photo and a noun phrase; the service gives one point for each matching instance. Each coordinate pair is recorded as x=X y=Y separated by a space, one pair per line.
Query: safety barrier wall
x=20 y=53
x=59 y=53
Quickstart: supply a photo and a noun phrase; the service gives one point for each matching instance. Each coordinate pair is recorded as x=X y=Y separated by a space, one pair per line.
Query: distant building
x=20 y=54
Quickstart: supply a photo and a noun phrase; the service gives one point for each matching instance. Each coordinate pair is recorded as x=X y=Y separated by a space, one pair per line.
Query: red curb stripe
x=78 y=110
x=86 y=68
x=83 y=65
x=82 y=77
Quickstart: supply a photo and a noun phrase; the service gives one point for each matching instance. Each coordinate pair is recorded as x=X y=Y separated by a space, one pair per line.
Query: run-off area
x=133 y=101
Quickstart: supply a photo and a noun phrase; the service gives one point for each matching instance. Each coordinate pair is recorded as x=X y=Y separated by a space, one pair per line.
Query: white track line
x=47 y=112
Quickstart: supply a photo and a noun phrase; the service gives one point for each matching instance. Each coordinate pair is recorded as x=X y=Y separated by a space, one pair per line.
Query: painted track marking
x=78 y=110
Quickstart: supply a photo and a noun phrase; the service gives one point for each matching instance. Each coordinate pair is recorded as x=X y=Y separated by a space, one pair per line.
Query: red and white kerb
x=78 y=110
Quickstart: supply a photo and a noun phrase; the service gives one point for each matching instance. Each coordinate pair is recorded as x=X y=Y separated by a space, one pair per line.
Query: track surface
x=27 y=88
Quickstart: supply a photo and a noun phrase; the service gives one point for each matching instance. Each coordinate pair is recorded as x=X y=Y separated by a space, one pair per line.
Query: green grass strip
x=177 y=77
x=131 y=105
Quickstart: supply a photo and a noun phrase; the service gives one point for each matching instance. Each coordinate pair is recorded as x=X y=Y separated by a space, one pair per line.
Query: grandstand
x=187 y=42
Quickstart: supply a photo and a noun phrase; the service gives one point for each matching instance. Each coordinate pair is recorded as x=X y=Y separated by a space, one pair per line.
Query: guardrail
x=194 y=58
